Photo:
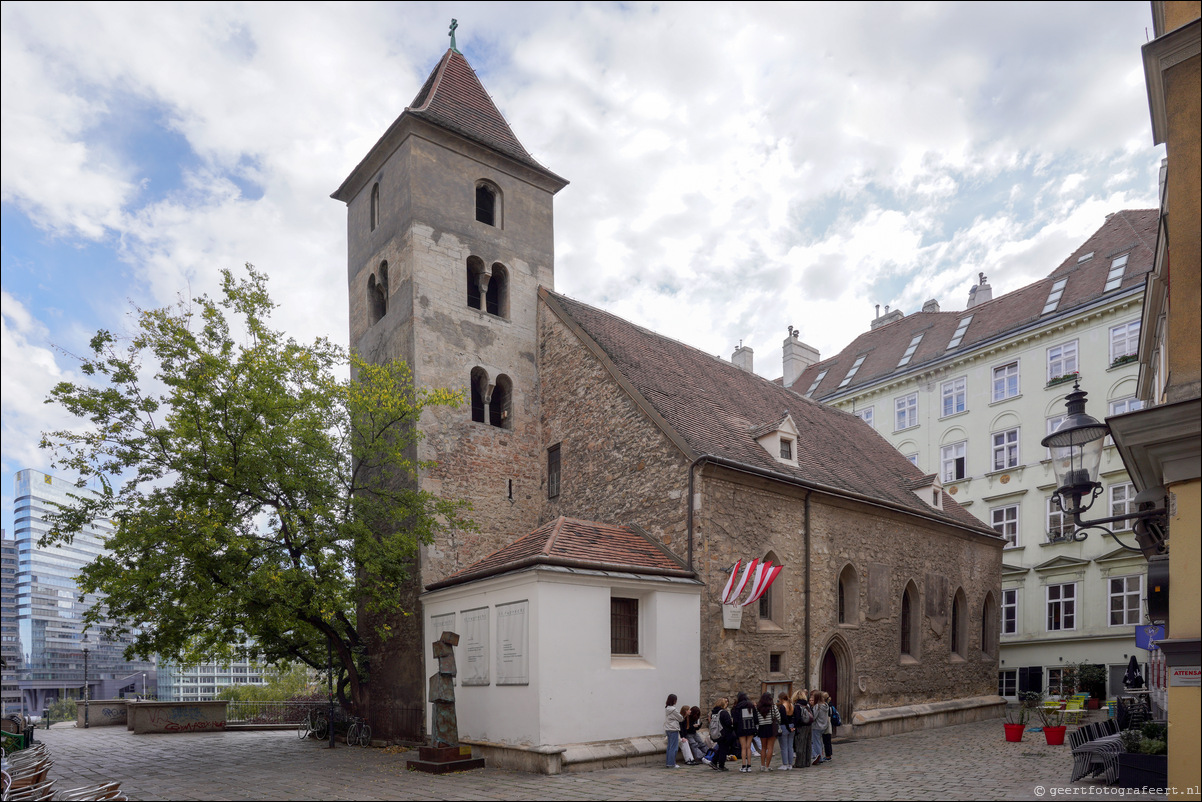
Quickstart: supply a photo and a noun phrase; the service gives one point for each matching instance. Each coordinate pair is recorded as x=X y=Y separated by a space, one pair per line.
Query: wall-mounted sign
x=1185 y=676
x=1147 y=635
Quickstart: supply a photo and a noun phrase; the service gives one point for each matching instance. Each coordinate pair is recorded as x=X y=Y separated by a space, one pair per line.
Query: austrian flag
x=761 y=574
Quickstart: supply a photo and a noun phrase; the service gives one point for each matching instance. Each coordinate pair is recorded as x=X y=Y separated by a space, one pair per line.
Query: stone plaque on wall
x=513 y=637
x=878 y=591
x=475 y=647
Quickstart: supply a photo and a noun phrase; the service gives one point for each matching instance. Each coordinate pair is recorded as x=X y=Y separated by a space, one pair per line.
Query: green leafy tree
x=283 y=683
x=252 y=492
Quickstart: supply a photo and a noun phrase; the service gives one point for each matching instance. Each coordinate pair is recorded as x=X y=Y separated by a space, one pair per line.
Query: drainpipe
x=689 y=521
x=809 y=589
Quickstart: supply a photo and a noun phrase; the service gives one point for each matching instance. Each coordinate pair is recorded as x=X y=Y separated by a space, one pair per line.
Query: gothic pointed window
x=377 y=293
x=375 y=206
x=475 y=268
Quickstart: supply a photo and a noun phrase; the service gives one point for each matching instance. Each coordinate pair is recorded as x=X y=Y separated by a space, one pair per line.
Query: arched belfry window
x=497 y=297
x=479 y=382
x=500 y=406
x=475 y=271
x=375 y=206
x=488 y=204
x=377 y=293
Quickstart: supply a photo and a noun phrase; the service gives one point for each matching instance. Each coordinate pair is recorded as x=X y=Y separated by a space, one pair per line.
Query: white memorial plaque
x=513 y=636
x=438 y=625
x=473 y=670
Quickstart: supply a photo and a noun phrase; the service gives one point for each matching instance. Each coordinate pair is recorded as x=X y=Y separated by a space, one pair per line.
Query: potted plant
x=1052 y=720
x=1091 y=679
x=1018 y=716
x=1144 y=761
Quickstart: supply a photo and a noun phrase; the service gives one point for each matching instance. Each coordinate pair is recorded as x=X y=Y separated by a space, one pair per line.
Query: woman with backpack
x=785 y=708
x=722 y=732
x=830 y=727
x=803 y=730
x=745 y=727
x=822 y=720
x=767 y=722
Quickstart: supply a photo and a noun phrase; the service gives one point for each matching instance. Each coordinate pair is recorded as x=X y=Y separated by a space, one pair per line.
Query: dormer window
x=786 y=449
x=779 y=439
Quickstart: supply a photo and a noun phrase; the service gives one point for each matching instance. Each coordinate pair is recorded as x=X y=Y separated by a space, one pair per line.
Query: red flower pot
x=1055 y=735
x=1014 y=732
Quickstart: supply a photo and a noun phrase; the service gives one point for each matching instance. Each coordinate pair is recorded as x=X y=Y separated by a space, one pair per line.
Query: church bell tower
x=449 y=235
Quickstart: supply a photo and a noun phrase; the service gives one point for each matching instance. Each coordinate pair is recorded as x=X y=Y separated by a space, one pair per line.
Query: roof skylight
x=958 y=335
x=905 y=360
x=1085 y=258
x=1114 y=279
x=1054 y=296
x=852 y=371
x=817 y=381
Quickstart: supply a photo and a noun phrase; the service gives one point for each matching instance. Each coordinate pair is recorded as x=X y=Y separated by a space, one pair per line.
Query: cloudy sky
x=735 y=169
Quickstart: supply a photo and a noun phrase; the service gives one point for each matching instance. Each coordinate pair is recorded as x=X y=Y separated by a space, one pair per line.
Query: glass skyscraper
x=49 y=609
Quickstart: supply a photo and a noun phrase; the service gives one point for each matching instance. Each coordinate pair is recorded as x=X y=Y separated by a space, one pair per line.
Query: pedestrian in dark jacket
x=727 y=741
x=745 y=728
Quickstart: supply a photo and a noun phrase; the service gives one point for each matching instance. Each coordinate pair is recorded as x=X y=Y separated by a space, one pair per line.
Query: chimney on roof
x=797 y=357
x=742 y=357
x=887 y=318
x=980 y=292
x=931 y=305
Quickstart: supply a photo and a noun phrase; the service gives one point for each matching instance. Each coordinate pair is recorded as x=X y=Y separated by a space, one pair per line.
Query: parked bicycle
x=315 y=724
x=358 y=733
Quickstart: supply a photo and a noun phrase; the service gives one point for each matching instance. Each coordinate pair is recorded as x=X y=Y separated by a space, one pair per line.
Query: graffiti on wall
x=183 y=718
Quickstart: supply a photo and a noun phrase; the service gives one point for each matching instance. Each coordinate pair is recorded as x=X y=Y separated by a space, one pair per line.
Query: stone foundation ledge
x=568 y=758
x=907 y=718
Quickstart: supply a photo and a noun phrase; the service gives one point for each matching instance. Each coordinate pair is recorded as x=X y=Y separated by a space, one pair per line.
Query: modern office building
x=10 y=639
x=203 y=682
x=50 y=611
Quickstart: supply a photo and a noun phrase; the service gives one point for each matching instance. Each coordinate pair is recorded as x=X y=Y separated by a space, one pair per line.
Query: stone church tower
x=450 y=235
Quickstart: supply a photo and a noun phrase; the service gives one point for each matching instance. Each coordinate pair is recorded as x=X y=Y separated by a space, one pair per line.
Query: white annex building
x=969 y=394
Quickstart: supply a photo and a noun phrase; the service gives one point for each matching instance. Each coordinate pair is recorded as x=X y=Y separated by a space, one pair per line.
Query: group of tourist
x=802 y=723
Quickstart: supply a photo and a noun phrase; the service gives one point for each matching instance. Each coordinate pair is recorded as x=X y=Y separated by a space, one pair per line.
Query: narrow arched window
x=375 y=206
x=377 y=294
x=959 y=634
x=486 y=204
x=908 y=628
x=479 y=382
x=497 y=297
x=989 y=622
x=475 y=271
x=500 y=406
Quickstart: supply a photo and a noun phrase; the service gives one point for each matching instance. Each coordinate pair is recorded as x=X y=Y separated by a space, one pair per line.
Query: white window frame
x=1124 y=340
x=913 y=458
x=1009 y=626
x=1004 y=521
x=866 y=415
x=1052 y=423
x=1121 y=406
x=953 y=459
x=1007 y=680
x=1122 y=502
x=1058 y=523
x=1064 y=603
x=1006 y=381
x=1128 y=595
x=1062 y=360
x=1006 y=449
x=817 y=381
x=905 y=412
x=954 y=396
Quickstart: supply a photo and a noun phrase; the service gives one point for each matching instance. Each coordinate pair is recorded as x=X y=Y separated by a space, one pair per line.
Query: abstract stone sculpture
x=444 y=727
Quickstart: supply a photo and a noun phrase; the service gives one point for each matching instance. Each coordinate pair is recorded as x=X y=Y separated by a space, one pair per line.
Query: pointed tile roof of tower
x=454 y=98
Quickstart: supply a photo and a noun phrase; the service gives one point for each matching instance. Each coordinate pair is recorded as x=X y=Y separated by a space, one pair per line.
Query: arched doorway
x=835 y=676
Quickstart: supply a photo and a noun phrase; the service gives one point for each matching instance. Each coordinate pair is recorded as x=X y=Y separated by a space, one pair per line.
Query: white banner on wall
x=440 y=624
x=513 y=637
x=474 y=668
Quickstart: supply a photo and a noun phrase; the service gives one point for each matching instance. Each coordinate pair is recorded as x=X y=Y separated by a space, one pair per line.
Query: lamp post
x=330 y=684
x=86 y=695
x=1076 y=447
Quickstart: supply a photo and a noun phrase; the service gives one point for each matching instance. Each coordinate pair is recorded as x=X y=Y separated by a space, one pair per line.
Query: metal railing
x=270 y=712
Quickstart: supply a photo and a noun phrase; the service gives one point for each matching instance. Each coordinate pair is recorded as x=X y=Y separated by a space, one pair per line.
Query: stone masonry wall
x=616 y=465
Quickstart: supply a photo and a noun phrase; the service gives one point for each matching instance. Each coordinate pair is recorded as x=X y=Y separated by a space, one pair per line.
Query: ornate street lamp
x=1076 y=447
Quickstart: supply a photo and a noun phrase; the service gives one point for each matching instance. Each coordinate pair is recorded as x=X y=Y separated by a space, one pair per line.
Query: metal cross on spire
x=454 y=25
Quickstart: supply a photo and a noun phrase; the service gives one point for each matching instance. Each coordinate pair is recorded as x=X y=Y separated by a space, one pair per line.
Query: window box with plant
x=1123 y=360
x=1067 y=377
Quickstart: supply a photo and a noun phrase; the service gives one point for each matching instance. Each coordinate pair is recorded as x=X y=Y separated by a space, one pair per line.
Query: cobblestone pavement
x=970 y=761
